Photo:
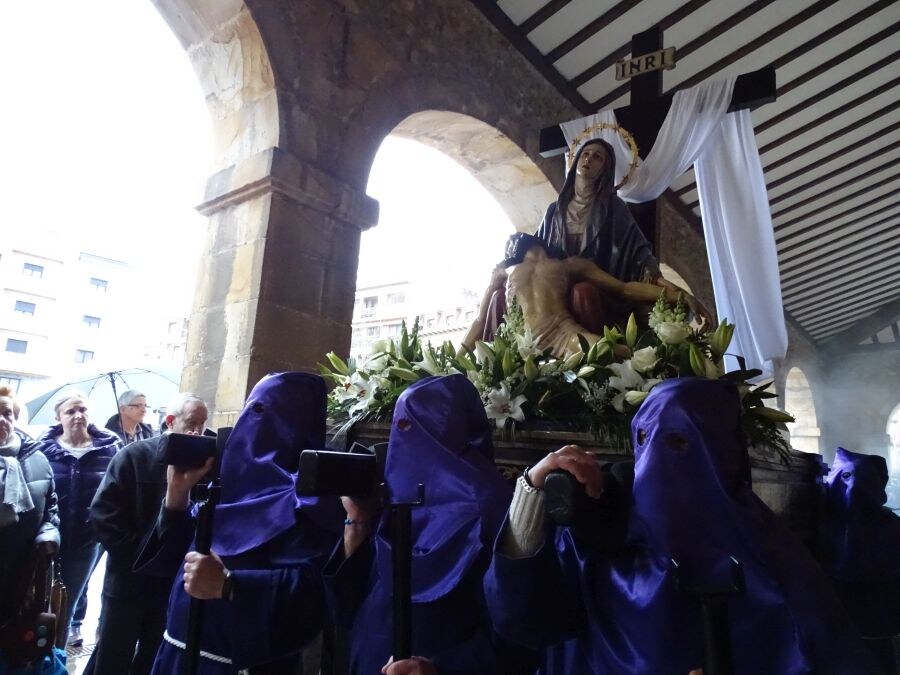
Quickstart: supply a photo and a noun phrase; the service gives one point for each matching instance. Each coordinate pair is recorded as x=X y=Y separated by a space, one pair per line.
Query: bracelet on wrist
x=525 y=480
x=351 y=521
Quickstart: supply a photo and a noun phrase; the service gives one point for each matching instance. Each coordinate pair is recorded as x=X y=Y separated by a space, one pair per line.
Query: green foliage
x=597 y=389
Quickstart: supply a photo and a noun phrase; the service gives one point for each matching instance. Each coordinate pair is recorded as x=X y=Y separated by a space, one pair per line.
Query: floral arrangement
x=596 y=390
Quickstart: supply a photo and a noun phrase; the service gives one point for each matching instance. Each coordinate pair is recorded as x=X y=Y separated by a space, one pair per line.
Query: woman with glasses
x=79 y=453
x=128 y=423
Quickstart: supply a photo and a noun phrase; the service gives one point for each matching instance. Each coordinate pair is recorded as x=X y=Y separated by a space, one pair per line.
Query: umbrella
x=103 y=389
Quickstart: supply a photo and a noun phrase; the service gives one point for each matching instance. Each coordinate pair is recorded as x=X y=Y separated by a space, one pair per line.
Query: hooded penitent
x=284 y=414
x=440 y=437
x=860 y=541
x=693 y=503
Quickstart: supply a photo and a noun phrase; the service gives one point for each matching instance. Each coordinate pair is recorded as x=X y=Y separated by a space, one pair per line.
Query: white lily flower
x=428 y=364
x=379 y=346
x=635 y=398
x=672 y=332
x=361 y=389
x=378 y=364
x=625 y=378
x=644 y=359
x=527 y=344
x=483 y=352
x=500 y=408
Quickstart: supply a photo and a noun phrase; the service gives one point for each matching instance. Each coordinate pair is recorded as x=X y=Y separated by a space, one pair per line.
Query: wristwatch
x=228 y=586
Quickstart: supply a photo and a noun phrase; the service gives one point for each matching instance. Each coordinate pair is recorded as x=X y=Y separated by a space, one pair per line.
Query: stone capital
x=274 y=171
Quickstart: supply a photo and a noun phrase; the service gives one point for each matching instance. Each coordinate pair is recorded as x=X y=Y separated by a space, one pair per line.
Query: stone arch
x=892 y=429
x=496 y=162
x=232 y=64
x=798 y=401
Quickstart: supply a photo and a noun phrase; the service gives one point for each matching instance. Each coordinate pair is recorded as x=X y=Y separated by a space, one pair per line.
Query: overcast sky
x=105 y=135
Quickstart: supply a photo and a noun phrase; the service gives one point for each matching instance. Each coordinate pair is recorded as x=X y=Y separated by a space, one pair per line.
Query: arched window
x=893 y=432
x=798 y=401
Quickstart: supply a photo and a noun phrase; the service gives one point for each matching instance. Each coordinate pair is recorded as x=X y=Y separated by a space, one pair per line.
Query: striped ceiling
x=830 y=143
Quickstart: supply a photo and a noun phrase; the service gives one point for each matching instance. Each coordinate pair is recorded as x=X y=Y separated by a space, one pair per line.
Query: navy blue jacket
x=77 y=481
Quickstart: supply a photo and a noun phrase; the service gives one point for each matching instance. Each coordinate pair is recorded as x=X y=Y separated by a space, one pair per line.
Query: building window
x=23 y=307
x=32 y=270
x=369 y=305
x=393 y=329
x=396 y=298
x=98 y=284
x=17 y=346
x=83 y=356
x=91 y=321
x=373 y=331
x=11 y=382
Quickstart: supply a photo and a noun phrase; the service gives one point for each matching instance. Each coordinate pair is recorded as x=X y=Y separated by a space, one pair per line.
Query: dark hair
x=518 y=245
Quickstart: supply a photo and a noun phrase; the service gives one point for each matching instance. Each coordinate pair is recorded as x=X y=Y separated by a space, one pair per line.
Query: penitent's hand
x=577 y=461
x=179 y=483
x=362 y=514
x=204 y=575
x=416 y=665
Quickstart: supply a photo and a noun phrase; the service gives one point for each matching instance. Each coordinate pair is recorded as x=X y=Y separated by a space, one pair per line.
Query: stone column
x=276 y=283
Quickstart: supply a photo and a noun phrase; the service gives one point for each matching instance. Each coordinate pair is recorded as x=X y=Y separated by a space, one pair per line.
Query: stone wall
x=681 y=247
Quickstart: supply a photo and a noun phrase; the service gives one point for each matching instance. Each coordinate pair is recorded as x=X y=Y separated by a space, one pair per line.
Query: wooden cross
x=644 y=116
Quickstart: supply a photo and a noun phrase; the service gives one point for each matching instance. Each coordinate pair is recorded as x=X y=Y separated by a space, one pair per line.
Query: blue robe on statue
x=440 y=437
x=692 y=502
x=274 y=543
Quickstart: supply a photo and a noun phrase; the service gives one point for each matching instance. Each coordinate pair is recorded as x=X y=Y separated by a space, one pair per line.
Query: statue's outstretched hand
x=700 y=312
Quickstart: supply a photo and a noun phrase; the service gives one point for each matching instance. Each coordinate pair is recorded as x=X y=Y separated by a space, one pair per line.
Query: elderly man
x=123 y=512
x=128 y=424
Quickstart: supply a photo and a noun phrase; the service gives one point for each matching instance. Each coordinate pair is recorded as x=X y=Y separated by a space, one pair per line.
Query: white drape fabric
x=733 y=202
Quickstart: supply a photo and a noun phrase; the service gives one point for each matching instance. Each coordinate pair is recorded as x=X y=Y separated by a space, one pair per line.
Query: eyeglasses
x=142 y=406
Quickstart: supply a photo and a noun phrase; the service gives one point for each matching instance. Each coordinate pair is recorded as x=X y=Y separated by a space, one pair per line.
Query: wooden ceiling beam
x=848 y=268
x=825 y=66
x=828 y=91
x=757 y=43
x=886 y=315
x=683 y=52
x=591 y=30
x=510 y=31
x=829 y=230
x=874 y=136
x=833 y=203
x=850 y=181
x=847 y=251
x=624 y=50
x=813 y=313
x=541 y=15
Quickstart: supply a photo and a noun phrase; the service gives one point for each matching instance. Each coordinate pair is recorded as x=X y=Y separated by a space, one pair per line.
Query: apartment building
x=60 y=311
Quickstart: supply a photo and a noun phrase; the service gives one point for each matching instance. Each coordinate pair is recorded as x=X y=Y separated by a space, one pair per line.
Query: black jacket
x=41 y=524
x=124 y=511
x=114 y=424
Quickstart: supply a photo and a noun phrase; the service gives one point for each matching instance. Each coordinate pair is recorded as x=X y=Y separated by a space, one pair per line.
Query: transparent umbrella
x=158 y=384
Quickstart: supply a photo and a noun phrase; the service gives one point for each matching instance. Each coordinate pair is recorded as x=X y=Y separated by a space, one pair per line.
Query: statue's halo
x=626 y=136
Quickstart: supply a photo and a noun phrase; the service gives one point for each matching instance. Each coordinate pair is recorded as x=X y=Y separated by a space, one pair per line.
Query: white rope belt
x=207 y=655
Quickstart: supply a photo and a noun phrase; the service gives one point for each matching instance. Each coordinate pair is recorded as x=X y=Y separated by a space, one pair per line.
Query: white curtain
x=734 y=206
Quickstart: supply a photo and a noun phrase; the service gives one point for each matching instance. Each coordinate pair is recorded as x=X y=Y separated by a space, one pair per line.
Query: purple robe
x=860 y=542
x=440 y=437
x=274 y=543
x=692 y=502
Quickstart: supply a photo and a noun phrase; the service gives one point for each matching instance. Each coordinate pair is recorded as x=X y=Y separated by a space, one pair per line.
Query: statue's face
x=591 y=162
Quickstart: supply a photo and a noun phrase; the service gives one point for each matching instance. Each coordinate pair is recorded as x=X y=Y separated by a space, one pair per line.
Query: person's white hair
x=127 y=397
x=177 y=405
